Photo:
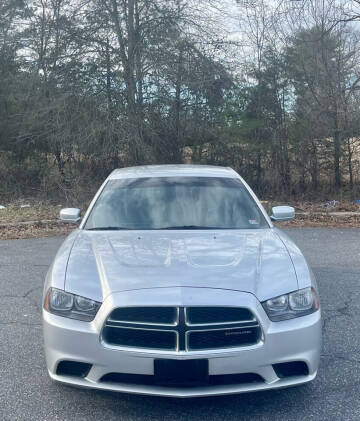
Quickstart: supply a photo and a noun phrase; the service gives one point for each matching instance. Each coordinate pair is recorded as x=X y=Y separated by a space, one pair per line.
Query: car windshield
x=175 y=203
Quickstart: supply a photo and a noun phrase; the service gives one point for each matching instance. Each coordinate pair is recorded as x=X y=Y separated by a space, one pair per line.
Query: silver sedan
x=176 y=283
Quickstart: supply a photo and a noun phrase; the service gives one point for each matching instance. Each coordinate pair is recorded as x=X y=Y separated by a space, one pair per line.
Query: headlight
x=69 y=305
x=289 y=306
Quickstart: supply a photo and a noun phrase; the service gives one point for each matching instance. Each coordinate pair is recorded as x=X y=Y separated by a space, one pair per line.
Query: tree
x=324 y=77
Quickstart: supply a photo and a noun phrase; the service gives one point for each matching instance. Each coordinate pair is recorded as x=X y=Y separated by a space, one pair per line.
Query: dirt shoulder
x=35 y=230
x=31 y=221
x=322 y=221
x=332 y=214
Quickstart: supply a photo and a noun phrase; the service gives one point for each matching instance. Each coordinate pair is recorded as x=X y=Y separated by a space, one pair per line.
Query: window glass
x=175 y=203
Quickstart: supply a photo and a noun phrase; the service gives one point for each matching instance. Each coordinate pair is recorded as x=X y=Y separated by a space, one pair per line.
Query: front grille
x=181 y=328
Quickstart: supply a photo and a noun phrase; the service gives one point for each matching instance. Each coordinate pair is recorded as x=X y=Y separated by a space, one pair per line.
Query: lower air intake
x=73 y=369
x=291 y=369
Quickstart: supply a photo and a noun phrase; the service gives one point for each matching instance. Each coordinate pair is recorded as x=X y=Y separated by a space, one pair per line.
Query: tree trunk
x=128 y=58
x=314 y=168
x=60 y=165
x=337 y=151
x=108 y=77
x=350 y=167
x=138 y=55
x=177 y=144
x=258 y=171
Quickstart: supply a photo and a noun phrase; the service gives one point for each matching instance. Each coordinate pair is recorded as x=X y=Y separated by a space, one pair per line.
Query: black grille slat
x=181 y=329
x=211 y=315
x=223 y=338
x=152 y=339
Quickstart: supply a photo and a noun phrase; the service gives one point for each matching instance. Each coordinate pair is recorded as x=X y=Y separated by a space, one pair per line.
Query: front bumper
x=287 y=341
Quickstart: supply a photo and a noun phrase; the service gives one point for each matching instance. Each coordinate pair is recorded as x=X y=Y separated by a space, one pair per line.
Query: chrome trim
x=175 y=323
x=218 y=323
x=139 y=323
x=154 y=353
x=222 y=324
x=224 y=328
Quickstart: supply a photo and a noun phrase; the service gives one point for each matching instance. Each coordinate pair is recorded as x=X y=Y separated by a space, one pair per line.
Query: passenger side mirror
x=71 y=215
x=282 y=213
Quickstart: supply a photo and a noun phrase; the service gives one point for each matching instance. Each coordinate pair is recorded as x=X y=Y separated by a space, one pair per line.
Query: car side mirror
x=282 y=213
x=70 y=215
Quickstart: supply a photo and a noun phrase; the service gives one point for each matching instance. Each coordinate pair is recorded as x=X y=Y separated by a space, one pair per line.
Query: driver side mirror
x=70 y=215
x=282 y=213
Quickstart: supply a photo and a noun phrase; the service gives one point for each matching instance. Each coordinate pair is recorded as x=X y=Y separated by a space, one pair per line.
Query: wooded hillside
x=270 y=88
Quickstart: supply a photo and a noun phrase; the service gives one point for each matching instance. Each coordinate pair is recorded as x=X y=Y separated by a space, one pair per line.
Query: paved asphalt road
x=26 y=392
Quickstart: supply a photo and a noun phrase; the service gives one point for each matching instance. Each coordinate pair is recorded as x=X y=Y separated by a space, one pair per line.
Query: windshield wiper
x=107 y=229
x=180 y=227
x=190 y=227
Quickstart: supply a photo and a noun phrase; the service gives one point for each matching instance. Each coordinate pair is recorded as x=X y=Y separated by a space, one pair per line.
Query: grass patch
x=14 y=213
x=38 y=220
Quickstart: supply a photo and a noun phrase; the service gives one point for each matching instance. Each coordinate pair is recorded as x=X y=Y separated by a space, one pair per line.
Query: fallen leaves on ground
x=37 y=230
x=16 y=222
x=321 y=221
x=314 y=207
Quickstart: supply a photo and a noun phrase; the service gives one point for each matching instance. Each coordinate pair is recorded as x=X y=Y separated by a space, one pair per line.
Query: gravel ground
x=26 y=392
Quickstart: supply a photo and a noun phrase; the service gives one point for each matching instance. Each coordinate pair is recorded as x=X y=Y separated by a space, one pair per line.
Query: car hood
x=254 y=261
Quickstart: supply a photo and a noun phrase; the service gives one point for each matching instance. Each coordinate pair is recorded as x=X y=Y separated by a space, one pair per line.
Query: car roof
x=181 y=170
